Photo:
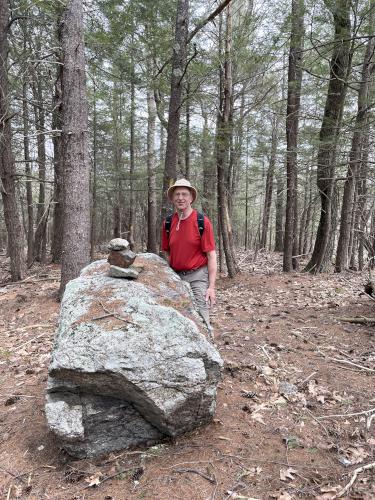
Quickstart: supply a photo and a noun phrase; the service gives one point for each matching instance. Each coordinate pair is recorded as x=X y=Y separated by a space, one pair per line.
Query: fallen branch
x=6 y=396
x=303 y=382
x=346 y=362
x=29 y=327
x=358 y=289
x=33 y=470
x=27 y=280
x=361 y=320
x=28 y=342
x=8 y=472
x=103 y=316
x=114 y=314
x=353 y=479
x=107 y=478
x=317 y=421
x=369 y=421
x=195 y=471
x=365 y=412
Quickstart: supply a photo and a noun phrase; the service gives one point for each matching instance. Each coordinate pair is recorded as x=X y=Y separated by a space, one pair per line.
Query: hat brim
x=190 y=188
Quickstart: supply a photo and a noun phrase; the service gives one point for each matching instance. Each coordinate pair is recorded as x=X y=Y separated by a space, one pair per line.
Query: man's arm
x=212 y=270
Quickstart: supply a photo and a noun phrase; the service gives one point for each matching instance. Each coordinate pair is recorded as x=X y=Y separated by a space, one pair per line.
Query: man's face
x=182 y=198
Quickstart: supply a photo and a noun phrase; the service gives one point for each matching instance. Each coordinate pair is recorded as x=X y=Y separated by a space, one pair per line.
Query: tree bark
x=56 y=247
x=362 y=195
x=223 y=140
x=329 y=131
x=7 y=168
x=187 y=131
x=290 y=262
x=39 y=237
x=279 y=217
x=342 y=254
x=29 y=192
x=178 y=68
x=269 y=186
x=76 y=197
x=94 y=201
x=208 y=167
x=130 y=222
x=151 y=176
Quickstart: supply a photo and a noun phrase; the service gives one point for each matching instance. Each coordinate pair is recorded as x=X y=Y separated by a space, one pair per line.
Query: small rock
x=29 y=371
x=344 y=461
x=121 y=258
x=287 y=389
x=5 y=436
x=273 y=364
x=120 y=272
x=118 y=244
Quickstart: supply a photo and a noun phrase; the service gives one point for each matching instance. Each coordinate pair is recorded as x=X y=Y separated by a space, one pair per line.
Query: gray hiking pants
x=198 y=281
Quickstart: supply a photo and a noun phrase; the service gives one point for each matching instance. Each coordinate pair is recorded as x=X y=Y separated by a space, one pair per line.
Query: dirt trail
x=290 y=366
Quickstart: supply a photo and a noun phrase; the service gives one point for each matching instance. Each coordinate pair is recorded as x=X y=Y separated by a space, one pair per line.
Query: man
x=191 y=253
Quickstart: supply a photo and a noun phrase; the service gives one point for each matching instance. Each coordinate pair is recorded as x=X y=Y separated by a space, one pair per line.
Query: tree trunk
x=178 y=68
x=343 y=255
x=41 y=160
x=246 y=242
x=329 y=132
x=279 y=217
x=235 y=166
x=130 y=222
x=223 y=140
x=208 y=167
x=29 y=192
x=76 y=186
x=56 y=247
x=362 y=194
x=94 y=209
x=269 y=186
x=187 y=131
x=151 y=176
x=7 y=169
x=292 y=118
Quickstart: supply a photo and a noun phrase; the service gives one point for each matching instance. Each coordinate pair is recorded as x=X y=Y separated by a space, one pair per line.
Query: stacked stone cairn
x=121 y=259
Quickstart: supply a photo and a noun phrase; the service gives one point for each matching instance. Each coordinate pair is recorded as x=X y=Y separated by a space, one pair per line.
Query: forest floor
x=295 y=406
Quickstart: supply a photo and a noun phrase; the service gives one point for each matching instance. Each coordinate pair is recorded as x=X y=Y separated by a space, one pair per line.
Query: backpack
x=200 y=222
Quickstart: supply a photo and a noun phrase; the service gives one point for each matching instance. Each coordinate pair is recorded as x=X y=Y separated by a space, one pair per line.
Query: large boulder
x=130 y=364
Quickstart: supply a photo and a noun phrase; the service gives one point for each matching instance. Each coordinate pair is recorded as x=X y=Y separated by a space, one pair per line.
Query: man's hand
x=210 y=296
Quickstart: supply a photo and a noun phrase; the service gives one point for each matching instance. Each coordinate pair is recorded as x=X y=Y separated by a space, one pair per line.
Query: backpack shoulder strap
x=168 y=223
x=200 y=222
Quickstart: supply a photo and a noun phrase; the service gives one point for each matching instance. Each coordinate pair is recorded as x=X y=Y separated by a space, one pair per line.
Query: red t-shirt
x=187 y=249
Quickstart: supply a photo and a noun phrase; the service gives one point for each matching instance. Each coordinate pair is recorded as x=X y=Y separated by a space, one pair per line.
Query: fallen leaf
x=253 y=471
x=286 y=474
x=284 y=495
x=312 y=388
x=356 y=454
x=329 y=492
x=337 y=397
x=258 y=418
x=94 y=480
x=266 y=370
x=236 y=496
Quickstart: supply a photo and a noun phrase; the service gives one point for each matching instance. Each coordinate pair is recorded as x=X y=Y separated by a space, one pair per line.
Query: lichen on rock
x=130 y=364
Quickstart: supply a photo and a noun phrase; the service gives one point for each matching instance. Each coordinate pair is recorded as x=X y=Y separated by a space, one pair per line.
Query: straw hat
x=182 y=183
